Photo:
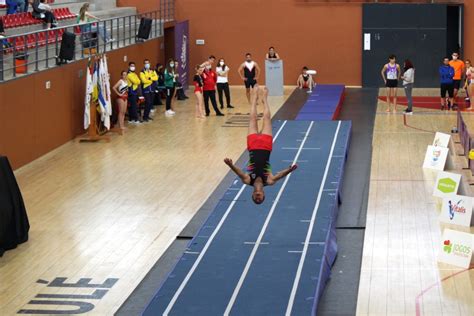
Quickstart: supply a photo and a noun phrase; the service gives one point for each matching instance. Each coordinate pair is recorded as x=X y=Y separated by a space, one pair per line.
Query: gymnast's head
x=258 y=195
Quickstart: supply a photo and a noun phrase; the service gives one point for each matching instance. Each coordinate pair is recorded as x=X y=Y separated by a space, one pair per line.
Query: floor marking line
x=311 y=225
x=208 y=243
x=254 y=242
x=263 y=230
x=191 y=252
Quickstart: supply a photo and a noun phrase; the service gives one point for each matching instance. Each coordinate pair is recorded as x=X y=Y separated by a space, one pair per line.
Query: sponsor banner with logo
x=456 y=248
x=441 y=140
x=456 y=209
x=435 y=158
x=446 y=184
x=181 y=46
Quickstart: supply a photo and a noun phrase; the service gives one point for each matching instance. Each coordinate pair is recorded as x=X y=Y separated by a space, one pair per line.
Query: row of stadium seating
x=25 y=18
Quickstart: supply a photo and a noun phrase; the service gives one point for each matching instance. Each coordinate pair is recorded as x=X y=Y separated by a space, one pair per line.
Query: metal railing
x=39 y=50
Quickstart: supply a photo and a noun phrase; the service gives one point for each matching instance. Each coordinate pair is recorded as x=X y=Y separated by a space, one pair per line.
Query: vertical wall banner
x=456 y=248
x=181 y=40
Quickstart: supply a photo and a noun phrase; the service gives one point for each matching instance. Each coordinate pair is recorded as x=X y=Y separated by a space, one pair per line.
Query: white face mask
x=171 y=64
x=221 y=63
x=132 y=68
x=455 y=57
x=209 y=67
x=147 y=66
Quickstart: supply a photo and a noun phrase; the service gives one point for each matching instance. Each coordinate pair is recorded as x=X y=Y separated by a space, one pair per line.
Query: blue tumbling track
x=323 y=104
x=273 y=258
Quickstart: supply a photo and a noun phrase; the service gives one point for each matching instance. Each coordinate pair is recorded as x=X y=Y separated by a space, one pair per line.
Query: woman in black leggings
x=170 y=81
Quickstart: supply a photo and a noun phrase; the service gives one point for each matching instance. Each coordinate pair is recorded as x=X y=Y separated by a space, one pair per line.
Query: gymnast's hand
x=228 y=162
x=293 y=168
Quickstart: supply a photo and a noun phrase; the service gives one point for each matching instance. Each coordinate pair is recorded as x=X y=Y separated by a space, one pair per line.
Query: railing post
x=36 y=52
x=14 y=56
x=129 y=29
x=47 y=48
x=26 y=53
x=1 y=63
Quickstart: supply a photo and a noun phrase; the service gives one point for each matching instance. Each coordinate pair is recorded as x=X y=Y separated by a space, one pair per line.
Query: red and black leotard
x=197 y=83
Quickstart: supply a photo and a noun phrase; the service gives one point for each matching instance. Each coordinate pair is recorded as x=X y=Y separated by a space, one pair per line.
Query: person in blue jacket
x=446 y=74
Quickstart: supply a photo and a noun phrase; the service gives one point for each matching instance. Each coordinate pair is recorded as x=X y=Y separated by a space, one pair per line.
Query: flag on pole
x=87 y=101
x=105 y=118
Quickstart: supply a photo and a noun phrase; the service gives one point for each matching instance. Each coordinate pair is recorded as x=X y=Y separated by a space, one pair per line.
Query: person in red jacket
x=209 y=78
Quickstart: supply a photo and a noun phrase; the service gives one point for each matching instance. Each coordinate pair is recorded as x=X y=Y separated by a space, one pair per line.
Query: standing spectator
x=408 y=81
x=148 y=76
x=198 y=84
x=446 y=74
x=120 y=89
x=43 y=12
x=85 y=17
x=458 y=66
x=170 y=81
x=179 y=92
x=249 y=72
x=272 y=55
x=160 y=84
x=391 y=74
x=209 y=86
x=26 y=5
x=223 y=83
x=133 y=83
x=210 y=61
x=469 y=84
x=305 y=80
x=12 y=6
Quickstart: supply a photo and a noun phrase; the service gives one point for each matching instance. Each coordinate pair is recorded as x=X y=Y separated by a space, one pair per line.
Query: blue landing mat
x=266 y=259
x=323 y=104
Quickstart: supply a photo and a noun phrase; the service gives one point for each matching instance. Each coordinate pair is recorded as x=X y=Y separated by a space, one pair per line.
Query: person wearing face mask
x=133 y=84
x=148 y=77
x=249 y=72
x=458 y=66
x=170 y=81
x=223 y=83
x=209 y=78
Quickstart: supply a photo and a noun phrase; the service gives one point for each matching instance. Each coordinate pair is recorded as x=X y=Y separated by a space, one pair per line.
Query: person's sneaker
x=168 y=113
x=138 y=122
x=172 y=112
x=152 y=111
x=406 y=112
x=110 y=40
x=207 y=114
x=222 y=107
x=150 y=119
x=220 y=114
x=146 y=121
x=230 y=107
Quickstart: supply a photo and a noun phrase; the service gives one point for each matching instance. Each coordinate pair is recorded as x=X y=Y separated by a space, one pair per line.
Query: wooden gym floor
x=400 y=273
x=109 y=210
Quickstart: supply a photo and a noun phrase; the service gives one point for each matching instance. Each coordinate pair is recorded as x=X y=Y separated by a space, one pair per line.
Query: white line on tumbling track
x=311 y=225
x=262 y=231
x=209 y=241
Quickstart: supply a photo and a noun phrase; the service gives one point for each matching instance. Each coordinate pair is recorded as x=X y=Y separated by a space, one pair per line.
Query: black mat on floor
x=359 y=107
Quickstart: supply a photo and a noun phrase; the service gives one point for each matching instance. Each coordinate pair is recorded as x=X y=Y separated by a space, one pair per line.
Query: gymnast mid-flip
x=259 y=145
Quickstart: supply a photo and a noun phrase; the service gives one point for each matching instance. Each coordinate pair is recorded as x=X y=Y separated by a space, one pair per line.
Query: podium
x=274 y=77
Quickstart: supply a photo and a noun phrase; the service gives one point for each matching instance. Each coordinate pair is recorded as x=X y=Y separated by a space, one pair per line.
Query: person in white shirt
x=408 y=81
x=222 y=71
